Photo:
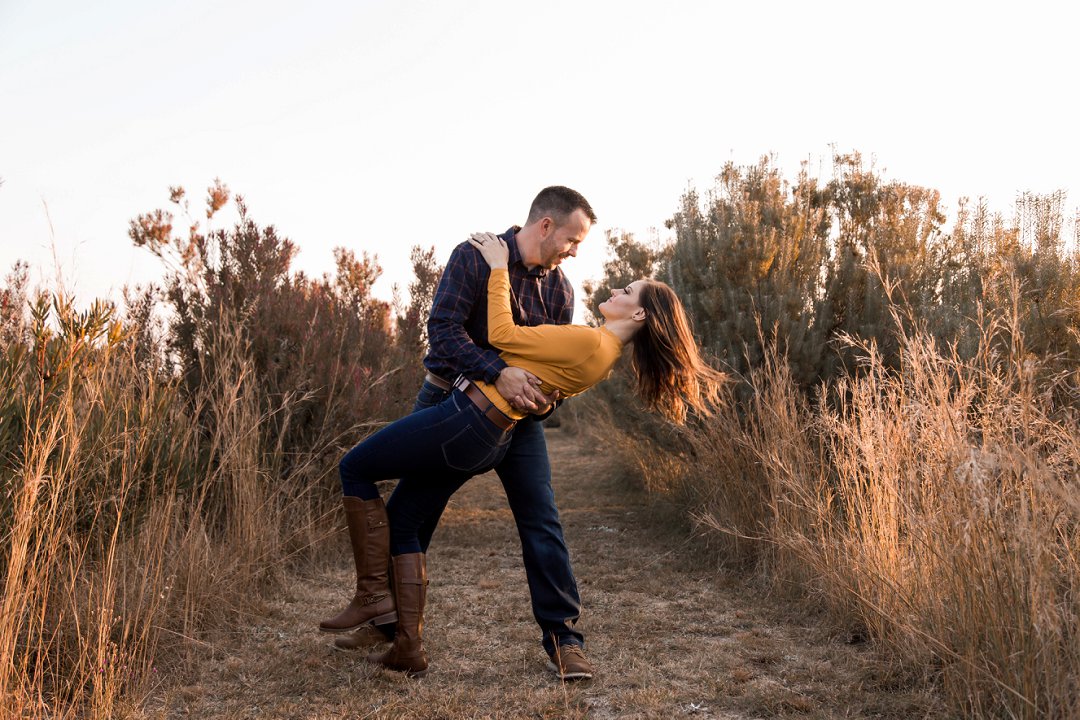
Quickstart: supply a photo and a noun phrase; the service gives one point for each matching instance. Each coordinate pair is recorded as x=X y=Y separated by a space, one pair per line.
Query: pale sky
x=382 y=125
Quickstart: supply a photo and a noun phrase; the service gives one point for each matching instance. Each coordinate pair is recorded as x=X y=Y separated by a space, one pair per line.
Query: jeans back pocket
x=471 y=451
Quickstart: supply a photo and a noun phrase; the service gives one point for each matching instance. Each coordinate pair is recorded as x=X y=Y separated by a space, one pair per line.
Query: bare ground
x=669 y=634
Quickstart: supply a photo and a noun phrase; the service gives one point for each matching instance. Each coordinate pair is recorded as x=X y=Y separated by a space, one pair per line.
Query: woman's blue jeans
x=445 y=444
x=525 y=471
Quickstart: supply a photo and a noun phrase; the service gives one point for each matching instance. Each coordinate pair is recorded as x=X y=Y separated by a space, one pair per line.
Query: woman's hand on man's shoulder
x=492 y=247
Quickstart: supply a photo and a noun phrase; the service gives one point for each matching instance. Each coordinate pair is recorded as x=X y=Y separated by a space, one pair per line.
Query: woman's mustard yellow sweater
x=567 y=358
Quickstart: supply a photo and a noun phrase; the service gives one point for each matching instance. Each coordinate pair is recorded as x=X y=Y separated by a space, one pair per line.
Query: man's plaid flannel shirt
x=457 y=326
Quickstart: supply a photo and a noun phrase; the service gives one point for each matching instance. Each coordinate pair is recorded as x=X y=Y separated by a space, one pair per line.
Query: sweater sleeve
x=557 y=344
x=450 y=344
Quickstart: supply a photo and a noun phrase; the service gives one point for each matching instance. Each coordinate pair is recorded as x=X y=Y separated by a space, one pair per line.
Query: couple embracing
x=502 y=354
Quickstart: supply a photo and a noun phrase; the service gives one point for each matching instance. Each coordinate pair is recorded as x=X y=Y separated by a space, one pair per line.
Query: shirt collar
x=510 y=236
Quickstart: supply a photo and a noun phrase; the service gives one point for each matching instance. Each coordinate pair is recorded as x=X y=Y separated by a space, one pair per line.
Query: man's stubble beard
x=549 y=256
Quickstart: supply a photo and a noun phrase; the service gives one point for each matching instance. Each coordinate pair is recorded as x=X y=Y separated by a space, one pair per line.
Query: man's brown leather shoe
x=569 y=663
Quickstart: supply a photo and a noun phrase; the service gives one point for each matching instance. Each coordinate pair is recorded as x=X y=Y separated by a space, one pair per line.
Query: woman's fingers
x=487 y=240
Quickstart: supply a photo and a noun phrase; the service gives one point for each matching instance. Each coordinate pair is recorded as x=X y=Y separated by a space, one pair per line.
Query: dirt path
x=668 y=639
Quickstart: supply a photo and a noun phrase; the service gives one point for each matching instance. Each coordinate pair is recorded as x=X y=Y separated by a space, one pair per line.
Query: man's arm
x=463 y=282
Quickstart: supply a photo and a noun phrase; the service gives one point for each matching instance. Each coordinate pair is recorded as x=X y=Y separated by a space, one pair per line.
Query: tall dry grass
x=160 y=477
x=933 y=507
x=902 y=444
x=124 y=521
x=950 y=523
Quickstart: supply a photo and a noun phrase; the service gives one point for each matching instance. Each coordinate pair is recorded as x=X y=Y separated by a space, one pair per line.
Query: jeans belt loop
x=480 y=400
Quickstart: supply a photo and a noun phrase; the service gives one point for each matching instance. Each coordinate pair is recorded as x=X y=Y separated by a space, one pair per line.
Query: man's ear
x=546 y=226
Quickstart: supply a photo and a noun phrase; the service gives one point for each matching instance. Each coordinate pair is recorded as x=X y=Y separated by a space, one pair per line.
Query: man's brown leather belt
x=481 y=401
x=438 y=382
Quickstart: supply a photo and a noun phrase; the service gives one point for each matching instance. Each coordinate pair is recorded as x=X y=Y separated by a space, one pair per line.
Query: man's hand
x=522 y=390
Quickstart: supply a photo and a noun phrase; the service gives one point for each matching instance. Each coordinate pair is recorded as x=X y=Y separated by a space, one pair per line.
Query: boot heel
x=387 y=619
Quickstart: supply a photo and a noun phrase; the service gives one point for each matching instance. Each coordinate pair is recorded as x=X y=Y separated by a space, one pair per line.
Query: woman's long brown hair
x=671 y=375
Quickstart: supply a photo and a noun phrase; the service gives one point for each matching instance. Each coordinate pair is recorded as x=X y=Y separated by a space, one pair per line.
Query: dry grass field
x=880 y=520
x=669 y=634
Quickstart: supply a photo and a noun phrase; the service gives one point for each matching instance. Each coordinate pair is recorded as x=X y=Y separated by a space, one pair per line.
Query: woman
x=469 y=432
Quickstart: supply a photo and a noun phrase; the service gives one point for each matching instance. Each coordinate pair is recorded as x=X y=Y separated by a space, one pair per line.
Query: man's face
x=561 y=241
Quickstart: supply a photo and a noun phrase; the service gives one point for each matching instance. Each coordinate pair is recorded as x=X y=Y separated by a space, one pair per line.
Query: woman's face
x=624 y=302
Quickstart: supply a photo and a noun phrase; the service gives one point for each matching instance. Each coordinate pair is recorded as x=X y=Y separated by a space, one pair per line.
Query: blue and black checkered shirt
x=457 y=326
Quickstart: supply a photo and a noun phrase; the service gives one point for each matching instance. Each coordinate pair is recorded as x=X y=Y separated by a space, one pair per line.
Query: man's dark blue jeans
x=525 y=472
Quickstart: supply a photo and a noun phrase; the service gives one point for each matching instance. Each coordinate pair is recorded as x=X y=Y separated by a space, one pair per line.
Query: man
x=558 y=221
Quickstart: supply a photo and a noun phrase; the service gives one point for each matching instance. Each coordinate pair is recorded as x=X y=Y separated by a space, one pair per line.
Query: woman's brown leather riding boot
x=369 y=534
x=410 y=588
x=367 y=637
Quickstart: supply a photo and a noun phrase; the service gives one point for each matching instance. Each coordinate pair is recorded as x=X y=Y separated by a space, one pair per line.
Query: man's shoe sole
x=570 y=675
